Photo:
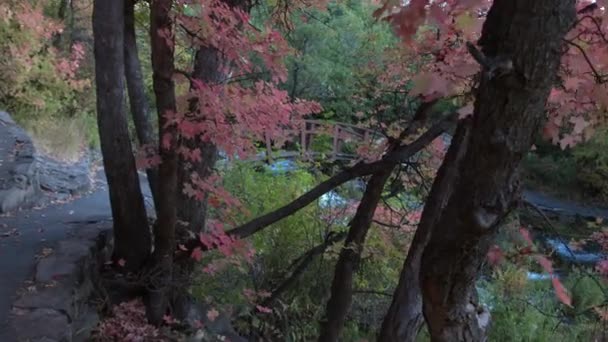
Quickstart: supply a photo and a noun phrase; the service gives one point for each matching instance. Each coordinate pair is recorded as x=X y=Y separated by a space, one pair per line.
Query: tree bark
x=508 y=112
x=404 y=317
x=137 y=94
x=342 y=284
x=161 y=31
x=207 y=68
x=131 y=231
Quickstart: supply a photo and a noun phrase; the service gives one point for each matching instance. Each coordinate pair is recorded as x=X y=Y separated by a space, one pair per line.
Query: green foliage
x=532 y=314
x=580 y=173
x=587 y=290
x=334 y=48
x=278 y=246
x=592 y=164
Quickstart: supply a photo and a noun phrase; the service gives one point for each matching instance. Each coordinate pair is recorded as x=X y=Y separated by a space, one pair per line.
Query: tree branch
x=400 y=154
x=302 y=264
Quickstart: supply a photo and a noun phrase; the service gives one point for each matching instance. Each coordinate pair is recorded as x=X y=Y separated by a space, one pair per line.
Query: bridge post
x=303 y=139
x=334 y=149
x=268 y=149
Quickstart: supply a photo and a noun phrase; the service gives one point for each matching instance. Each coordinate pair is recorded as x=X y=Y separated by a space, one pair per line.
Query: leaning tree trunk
x=131 y=231
x=161 y=30
x=342 y=284
x=404 y=317
x=137 y=94
x=508 y=112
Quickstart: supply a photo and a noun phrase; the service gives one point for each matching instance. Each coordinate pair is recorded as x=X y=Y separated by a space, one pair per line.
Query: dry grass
x=61 y=138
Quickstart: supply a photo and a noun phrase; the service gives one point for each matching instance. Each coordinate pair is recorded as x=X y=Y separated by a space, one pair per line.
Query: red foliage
x=128 y=324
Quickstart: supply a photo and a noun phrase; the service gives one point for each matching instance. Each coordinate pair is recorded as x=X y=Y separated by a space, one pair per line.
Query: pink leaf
x=526 y=235
x=495 y=255
x=560 y=292
x=544 y=263
x=197 y=254
x=263 y=309
x=466 y=111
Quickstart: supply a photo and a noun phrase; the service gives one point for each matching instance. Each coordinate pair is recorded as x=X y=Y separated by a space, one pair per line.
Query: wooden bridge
x=345 y=138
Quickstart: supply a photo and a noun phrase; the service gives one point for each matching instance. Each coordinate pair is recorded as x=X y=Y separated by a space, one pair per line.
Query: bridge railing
x=341 y=134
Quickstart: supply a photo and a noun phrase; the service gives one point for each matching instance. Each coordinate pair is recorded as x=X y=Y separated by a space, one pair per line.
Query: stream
x=554 y=244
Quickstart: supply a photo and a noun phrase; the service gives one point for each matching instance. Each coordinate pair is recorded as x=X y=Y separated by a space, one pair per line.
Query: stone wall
x=56 y=307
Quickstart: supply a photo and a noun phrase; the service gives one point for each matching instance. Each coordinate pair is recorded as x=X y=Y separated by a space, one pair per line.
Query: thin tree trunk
x=137 y=95
x=192 y=213
x=131 y=231
x=404 y=317
x=342 y=285
x=161 y=26
x=508 y=112
x=207 y=68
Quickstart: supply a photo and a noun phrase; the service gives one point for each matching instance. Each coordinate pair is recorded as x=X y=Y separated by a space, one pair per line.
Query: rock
x=57 y=298
x=59 y=309
x=54 y=267
x=43 y=325
x=19 y=182
x=63 y=178
x=83 y=326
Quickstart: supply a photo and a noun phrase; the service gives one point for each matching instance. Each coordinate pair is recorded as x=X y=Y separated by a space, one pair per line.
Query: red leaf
x=544 y=263
x=560 y=292
x=197 y=254
x=526 y=235
x=495 y=255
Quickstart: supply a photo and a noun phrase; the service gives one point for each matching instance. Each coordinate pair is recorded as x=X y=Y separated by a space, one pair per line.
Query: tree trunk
x=207 y=68
x=161 y=31
x=192 y=213
x=131 y=231
x=404 y=317
x=137 y=95
x=342 y=285
x=508 y=112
